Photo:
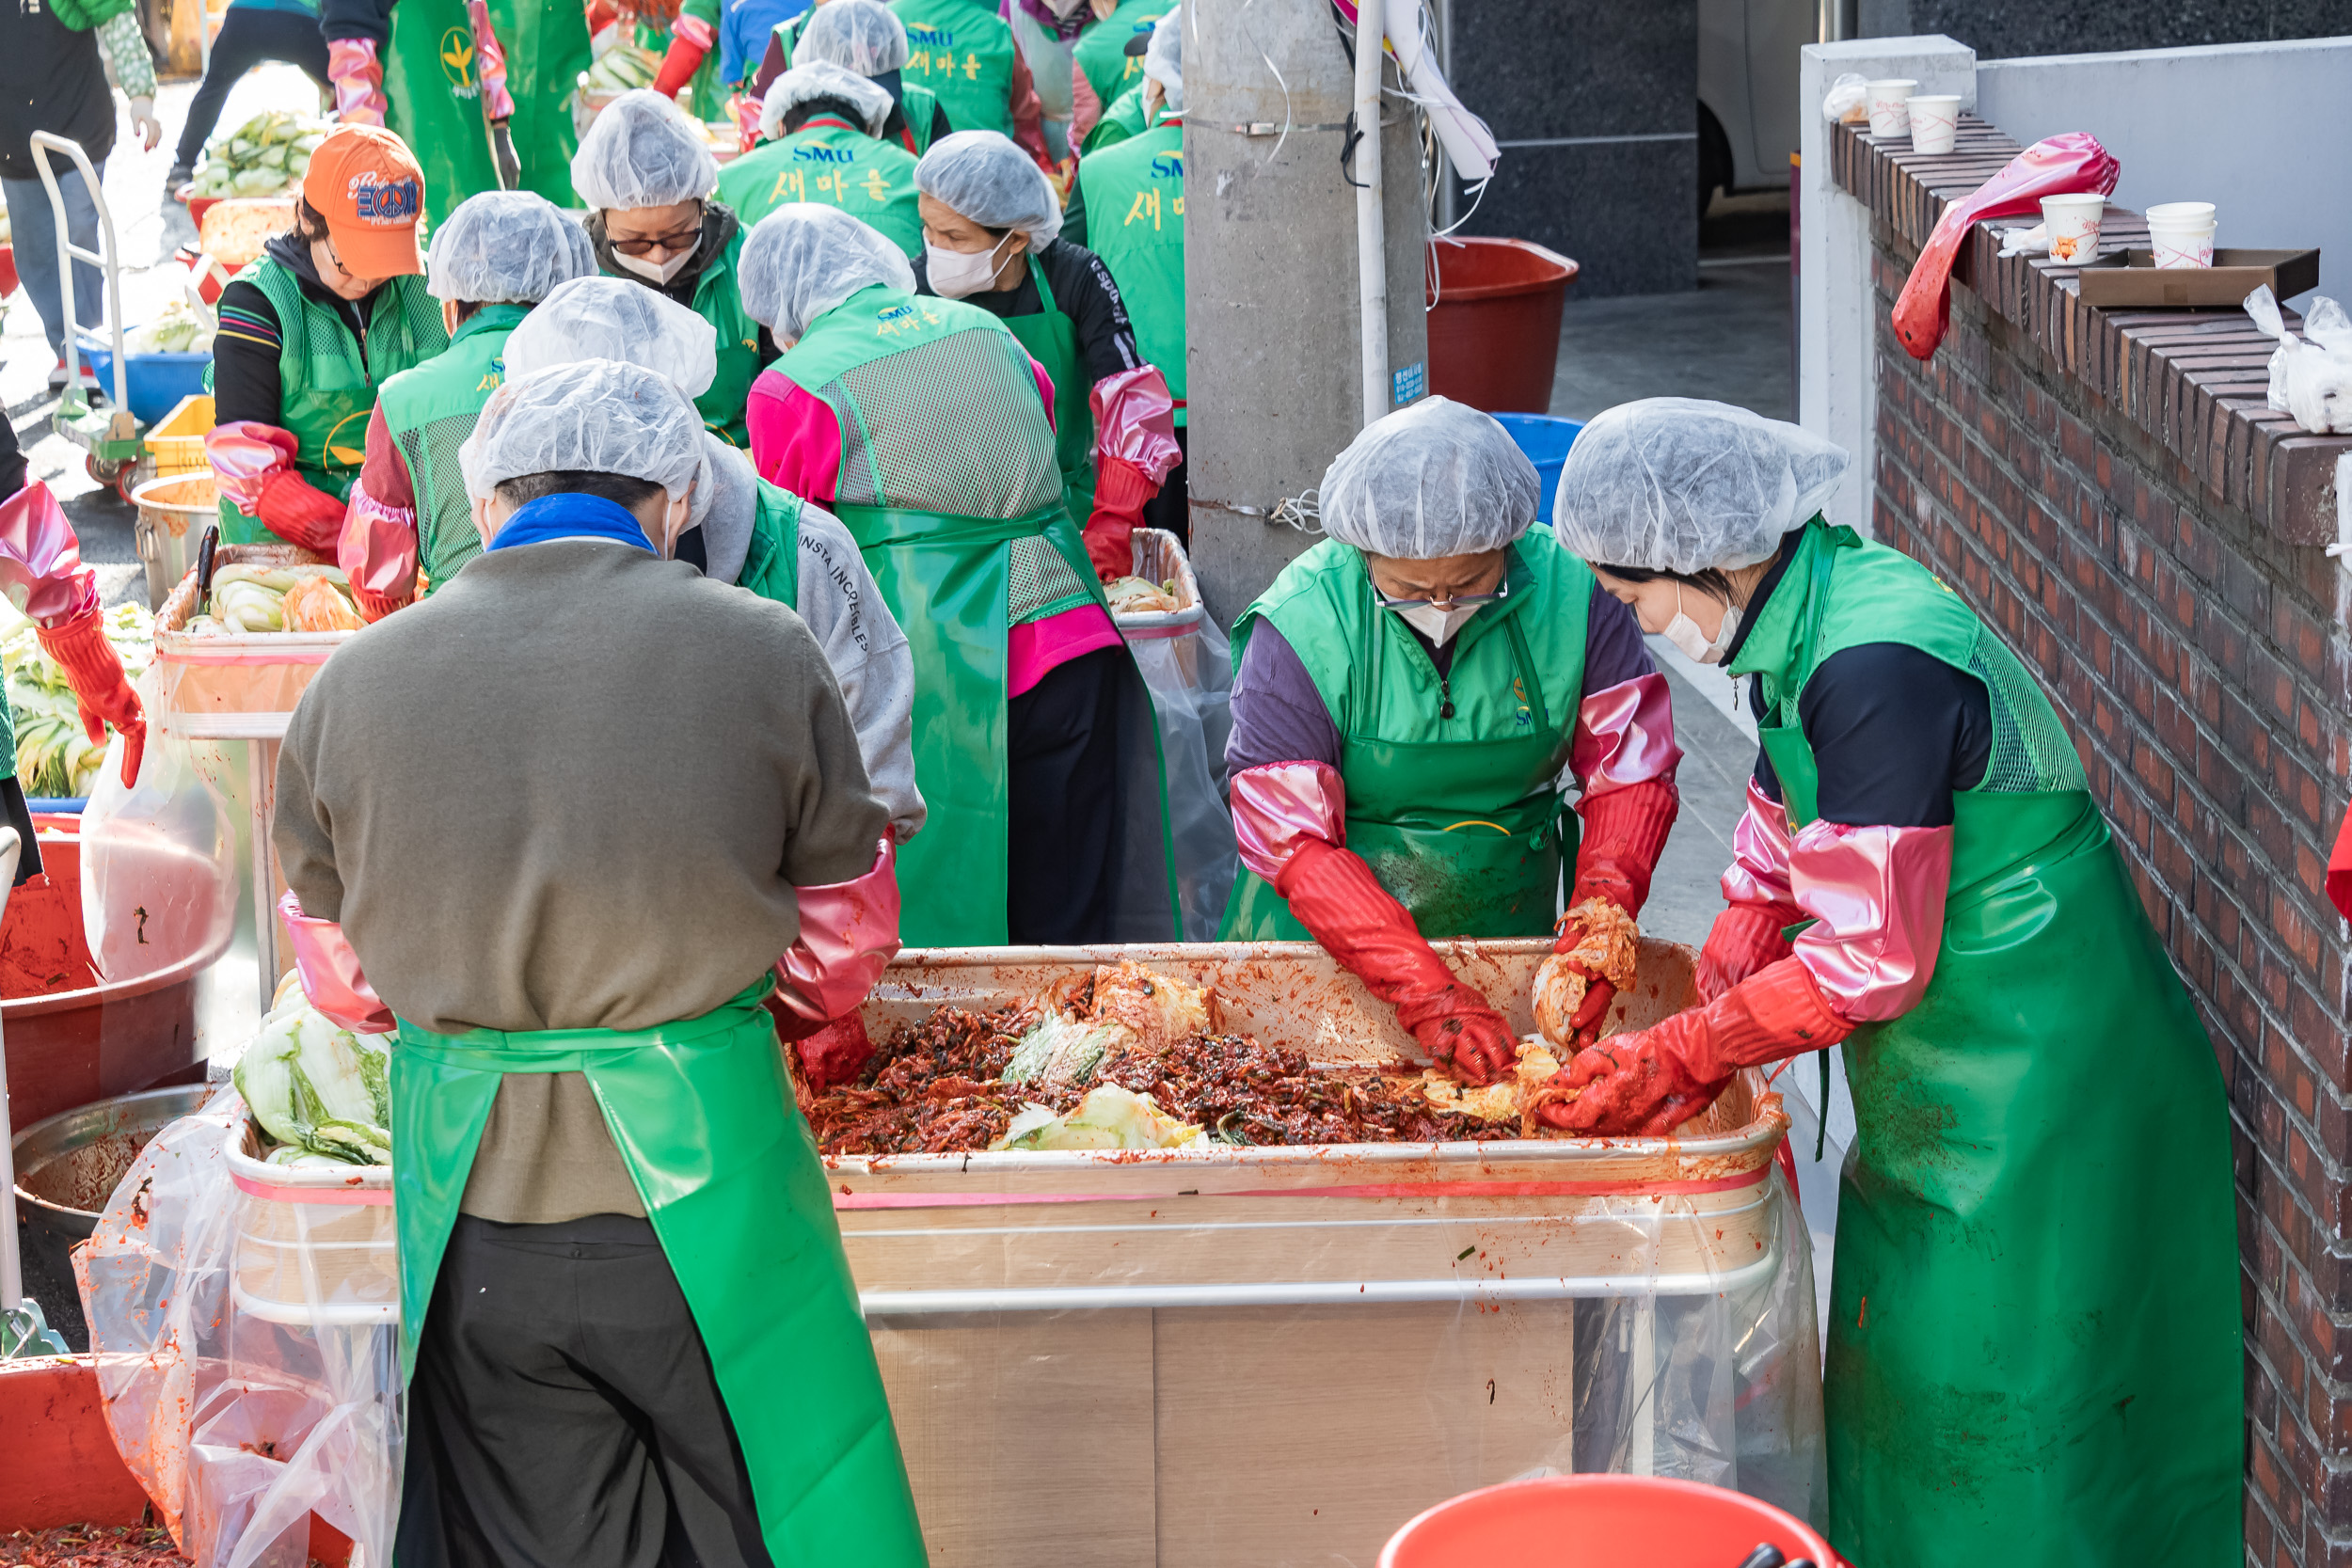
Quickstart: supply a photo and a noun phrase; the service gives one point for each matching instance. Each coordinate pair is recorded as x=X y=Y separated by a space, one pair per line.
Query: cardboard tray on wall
x=2132 y=277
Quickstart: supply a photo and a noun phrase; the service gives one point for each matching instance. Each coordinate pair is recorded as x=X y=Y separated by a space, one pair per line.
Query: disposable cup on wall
x=2072 y=222
x=1935 y=122
x=1890 y=106
x=2181 y=233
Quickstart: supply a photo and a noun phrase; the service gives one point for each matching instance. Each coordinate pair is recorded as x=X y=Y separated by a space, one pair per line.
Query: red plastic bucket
x=1600 y=1522
x=1494 y=322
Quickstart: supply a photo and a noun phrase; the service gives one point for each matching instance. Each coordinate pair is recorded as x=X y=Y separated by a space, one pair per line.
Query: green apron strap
x=1052 y=339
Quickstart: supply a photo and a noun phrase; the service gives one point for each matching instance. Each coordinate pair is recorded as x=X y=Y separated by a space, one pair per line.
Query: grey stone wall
x=2008 y=29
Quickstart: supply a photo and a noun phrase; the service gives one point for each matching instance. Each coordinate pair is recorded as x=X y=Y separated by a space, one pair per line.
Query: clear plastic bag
x=158 y=857
x=241 y=1417
x=1188 y=665
x=2310 y=380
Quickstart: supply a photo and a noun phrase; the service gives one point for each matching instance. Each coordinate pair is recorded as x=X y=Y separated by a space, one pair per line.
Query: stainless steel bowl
x=68 y=1166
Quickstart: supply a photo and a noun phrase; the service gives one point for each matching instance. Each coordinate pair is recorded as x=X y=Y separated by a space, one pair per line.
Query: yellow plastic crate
x=178 y=441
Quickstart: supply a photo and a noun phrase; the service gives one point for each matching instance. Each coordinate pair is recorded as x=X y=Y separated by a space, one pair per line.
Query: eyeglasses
x=1450 y=601
x=676 y=241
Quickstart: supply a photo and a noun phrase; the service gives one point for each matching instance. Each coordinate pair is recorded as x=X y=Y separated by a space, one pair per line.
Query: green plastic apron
x=1467 y=832
x=1052 y=340
x=704 y=1117
x=2034 y=1357
x=432 y=95
x=546 y=48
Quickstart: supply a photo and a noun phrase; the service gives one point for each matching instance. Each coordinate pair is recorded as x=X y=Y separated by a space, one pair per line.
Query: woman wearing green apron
x=648 y=175
x=920 y=422
x=990 y=237
x=332 y=310
x=823 y=124
x=1408 y=697
x=2034 y=1353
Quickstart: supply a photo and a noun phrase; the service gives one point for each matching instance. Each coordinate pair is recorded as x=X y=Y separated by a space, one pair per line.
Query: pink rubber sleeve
x=1279 y=806
x=358 y=78
x=1877 y=895
x=377 y=549
x=796 y=442
x=693 y=29
x=1134 y=421
x=331 y=978
x=848 y=935
x=489 y=62
x=1758 y=873
x=1624 y=735
x=244 y=453
x=40 y=559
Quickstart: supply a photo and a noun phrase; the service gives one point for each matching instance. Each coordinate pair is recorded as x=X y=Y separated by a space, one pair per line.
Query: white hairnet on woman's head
x=864 y=36
x=613 y=318
x=643 y=151
x=1164 y=58
x=810 y=80
x=595 y=416
x=1434 y=480
x=503 y=248
x=1681 y=484
x=805 y=258
x=984 y=177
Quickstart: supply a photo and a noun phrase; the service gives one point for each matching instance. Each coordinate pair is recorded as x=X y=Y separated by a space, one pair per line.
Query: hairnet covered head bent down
x=804 y=257
x=1681 y=484
x=643 y=151
x=1435 y=480
x=506 y=248
x=595 y=416
x=613 y=318
x=864 y=36
x=989 y=180
x=809 y=81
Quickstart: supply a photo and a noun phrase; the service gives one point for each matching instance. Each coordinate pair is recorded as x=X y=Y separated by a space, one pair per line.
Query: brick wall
x=2111 y=494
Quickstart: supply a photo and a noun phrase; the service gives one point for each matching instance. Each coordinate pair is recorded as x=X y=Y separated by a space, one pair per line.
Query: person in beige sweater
x=561 y=818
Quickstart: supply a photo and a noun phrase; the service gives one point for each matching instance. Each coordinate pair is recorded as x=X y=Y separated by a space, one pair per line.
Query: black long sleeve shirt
x=1084 y=291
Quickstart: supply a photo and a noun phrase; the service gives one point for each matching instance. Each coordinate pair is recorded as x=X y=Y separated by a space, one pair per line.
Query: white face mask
x=659 y=272
x=958 y=273
x=1684 y=633
x=1439 y=626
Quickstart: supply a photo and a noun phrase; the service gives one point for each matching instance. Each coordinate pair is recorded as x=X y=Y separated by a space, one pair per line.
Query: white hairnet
x=1681 y=484
x=810 y=80
x=984 y=177
x=613 y=318
x=805 y=258
x=1434 y=480
x=506 y=248
x=1164 y=58
x=595 y=416
x=643 y=151
x=864 y=36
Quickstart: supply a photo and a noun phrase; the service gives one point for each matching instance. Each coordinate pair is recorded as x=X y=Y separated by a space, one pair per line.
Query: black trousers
x=1171 y=509
x=1066 y=801
x=563 y=1410
x=248 y=38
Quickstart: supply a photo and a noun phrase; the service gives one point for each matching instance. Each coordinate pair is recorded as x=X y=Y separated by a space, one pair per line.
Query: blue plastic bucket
x=154 y=381
x=1546 y=440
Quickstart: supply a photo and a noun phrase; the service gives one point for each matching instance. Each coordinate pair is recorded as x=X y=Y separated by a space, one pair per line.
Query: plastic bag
x=2031 y=240
x=240 y=1416
x=1847 y=99
x=2310 y=380
x=159 y=888
x=2056 y=166
x=1188 y=668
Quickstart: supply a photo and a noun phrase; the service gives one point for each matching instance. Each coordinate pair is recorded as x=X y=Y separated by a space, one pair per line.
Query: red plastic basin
x=1494 y=322
x=1600 y=1522
x=72 y=1038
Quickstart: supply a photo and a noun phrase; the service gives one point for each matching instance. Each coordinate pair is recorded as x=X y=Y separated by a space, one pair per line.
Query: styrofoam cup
x=1890 y=106
x=1934 y=121
x=2072 y=222
x=2180 y=244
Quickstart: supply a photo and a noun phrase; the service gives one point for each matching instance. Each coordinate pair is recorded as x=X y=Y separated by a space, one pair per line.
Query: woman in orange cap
x=309 y=332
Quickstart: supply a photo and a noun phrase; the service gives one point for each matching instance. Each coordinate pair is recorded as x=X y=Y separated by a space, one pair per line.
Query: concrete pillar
x=1272 y=357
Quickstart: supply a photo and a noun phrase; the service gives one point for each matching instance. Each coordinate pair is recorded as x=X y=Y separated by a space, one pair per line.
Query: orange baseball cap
x=364 y=181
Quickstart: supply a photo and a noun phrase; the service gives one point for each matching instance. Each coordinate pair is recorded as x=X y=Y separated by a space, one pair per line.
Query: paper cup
x=1890 y=106
x=2181 y=246
x=2073 y=225
x=2181 y=214
x=1934 y=121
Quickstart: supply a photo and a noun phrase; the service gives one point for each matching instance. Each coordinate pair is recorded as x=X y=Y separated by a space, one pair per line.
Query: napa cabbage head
x=315 y=1085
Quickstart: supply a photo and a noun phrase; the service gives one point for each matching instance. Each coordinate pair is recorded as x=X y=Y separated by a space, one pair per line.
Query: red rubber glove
x=1743 y=938
x=293 y=510
x=1120 y=490
x=835 y=1054
x=1336 y=897
x=1624 y=832
x=1647 y=1083
x=94 y=671
x=680 y=62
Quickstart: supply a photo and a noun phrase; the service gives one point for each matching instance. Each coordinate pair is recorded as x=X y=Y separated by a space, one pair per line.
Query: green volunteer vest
x=327 y=385
x=1052 y=340
x=429 y=410
x=1450 y=797
x=1135 y=211
x=963 y=52
x=916 y=105
x=772 y=566
x=831 y=161
x=717 y=302
x=2034 y=1350
x=1102 y=49
x=1123 y=118
x=703 y=1114
x=959 y=579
